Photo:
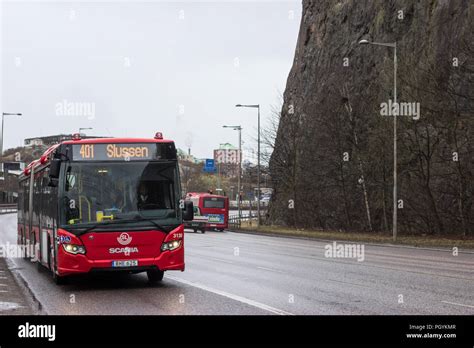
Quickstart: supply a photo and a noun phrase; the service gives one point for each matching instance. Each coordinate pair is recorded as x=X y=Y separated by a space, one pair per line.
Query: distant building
x=54 y=139
x=187 y=157
x=227 y=158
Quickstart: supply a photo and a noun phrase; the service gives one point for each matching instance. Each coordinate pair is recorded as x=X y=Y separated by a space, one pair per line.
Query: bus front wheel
x=155 y=275
x=59 y=280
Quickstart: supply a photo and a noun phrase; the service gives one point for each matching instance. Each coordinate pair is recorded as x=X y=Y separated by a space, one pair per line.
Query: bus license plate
x=125 y=263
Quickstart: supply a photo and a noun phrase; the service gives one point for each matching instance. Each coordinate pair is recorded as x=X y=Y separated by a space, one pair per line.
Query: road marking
x=232 y=296
x=3 y=277
x=343 y=282
x=3 y=290
x=458 y=304
x=270 y=269
x=3 y=285
x=222 y=260
x=211 y=258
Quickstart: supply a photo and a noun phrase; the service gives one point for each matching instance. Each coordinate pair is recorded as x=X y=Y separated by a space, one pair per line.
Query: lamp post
x=238 y=128
x=257 y=106
x=219 y=169
x=394 y=46
x=81 y=129
x=3 y=116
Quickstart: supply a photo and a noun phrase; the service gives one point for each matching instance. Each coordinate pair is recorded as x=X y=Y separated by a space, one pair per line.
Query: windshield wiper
x=154 y=223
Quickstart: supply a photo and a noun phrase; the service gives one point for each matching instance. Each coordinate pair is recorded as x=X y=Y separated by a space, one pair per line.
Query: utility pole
x=257 y=106
x=395 y=201
x=238 y=128
x=3 y=122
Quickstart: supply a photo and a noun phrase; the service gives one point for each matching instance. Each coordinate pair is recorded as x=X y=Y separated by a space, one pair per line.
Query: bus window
x=218 y=203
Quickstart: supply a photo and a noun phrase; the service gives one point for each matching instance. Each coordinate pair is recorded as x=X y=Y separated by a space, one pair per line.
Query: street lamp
x=219 y=169
x=257 y=106
x=3 y=115
x=81 y=129
x=238 y=128
x=394 y=46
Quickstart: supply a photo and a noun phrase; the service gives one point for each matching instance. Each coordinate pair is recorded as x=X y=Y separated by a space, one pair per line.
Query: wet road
x=233 y=273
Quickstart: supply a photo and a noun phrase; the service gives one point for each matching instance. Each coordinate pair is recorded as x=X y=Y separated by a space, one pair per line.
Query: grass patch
x=379 y=238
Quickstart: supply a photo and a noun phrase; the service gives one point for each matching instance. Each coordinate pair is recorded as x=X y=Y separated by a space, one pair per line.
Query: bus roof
x=116 y=141
x=203 y=194
x=46 y=156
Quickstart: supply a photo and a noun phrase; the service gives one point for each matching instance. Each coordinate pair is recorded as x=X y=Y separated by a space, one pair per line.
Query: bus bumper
x=78 y=264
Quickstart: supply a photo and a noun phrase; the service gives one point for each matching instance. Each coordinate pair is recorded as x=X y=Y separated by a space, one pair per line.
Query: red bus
x=215 y=207
x=104 y=204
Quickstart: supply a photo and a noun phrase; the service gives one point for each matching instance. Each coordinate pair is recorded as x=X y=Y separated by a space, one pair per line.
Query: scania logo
x=126 y=250
x=124 y=239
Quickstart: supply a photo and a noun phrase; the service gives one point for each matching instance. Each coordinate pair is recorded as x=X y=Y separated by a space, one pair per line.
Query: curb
x=33 y=301
x=388 y=245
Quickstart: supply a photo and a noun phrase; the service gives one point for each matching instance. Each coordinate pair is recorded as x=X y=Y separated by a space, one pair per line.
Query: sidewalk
x=13 y=299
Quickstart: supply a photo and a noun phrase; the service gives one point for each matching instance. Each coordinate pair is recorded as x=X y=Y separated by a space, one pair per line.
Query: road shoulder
x=15 y=297
x=360 y=241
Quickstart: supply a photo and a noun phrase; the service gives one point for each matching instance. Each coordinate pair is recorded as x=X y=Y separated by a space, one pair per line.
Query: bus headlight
x=170 y=245
x=74 y=249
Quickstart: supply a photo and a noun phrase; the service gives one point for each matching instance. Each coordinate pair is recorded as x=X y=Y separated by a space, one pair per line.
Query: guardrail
x=246 y=204
x=236 y=222
x=8 y=208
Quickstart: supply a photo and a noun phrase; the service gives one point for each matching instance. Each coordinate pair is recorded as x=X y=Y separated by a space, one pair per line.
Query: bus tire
x=203 y=230
x=25 y=246
x=39 y=266
x=31 y=246
x=58 y=280
x=195 y=230
x=155 y=275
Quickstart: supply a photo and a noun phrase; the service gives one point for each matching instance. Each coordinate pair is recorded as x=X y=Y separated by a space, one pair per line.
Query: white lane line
x=3 y=285
x=212 y=258
x=232 y=296
x=343 y=282
x=458 y=304
x=3 y=290
x=270 y=269
x=3 y=277
x=222 y=260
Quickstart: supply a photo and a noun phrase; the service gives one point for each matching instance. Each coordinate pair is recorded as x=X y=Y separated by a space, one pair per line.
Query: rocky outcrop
x=333 y=155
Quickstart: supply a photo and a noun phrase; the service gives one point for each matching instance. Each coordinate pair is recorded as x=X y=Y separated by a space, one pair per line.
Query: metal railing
x=8 y=208
x=250 y=219
x=245 y=204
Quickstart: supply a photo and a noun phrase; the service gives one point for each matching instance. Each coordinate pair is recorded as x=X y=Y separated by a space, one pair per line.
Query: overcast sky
x=131 y=69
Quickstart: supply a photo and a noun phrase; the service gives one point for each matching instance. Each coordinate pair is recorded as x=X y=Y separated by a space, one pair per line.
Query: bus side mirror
x=54 y=168
x=188 y=211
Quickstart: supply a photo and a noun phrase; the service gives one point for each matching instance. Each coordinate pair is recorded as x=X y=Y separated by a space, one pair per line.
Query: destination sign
x=123 y=152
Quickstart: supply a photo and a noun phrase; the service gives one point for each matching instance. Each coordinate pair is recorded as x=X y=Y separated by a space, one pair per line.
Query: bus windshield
x=218 y=203
x=101 y=192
